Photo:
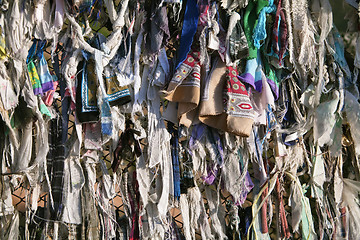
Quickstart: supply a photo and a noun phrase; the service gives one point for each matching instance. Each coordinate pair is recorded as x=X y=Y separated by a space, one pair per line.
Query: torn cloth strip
x=279 y=31
x=65 y=103
x=44 y=75
x=175 y=158
x=252 y=12
x=34 y=78
x=256 y=70
x=86 y=93
x=188 y=31
x=55 y=163
x=38 y=69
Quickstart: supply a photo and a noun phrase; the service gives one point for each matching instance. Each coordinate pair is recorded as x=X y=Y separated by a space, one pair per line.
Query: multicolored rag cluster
x=179 y=119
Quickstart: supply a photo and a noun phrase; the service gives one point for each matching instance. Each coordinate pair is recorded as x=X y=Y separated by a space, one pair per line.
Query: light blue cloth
x=260 y=29
x=44 y=75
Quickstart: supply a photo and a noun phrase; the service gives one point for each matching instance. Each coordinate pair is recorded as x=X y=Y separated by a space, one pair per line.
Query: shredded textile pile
x=193 y=101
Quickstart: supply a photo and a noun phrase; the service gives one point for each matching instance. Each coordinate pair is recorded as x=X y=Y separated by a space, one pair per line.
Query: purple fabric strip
x=247 y=78
x=196 y=134
x=215 y=140
x=251 y=80
x=47 y=86
x=210 y=178
x=258 y=86
x=274 y=87
x=37 y=91
x=248 y=187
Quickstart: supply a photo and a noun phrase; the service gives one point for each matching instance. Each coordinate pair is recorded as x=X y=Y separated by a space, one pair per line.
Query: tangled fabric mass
x=240 y=116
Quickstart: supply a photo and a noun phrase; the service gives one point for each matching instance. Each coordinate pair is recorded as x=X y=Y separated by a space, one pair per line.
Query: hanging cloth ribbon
x=259 y=34
x=128 y=146
x=44 y=75
x=175 y=158
x=55 y=165
x=3 y=54
x=86 y=94
x=252 y=12
x=65 y=100
x=38 y=70
x=34 y=78
x=279 y=30
x=103 y=101
x=255 y=70
x=188 y=31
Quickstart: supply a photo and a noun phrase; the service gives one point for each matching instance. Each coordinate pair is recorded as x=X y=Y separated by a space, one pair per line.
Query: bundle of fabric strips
x=179 y=119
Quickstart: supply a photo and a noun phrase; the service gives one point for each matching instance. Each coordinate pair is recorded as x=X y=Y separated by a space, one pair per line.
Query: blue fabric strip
x=190 y=23
x=197 y=134
x=175 y=158
x=260 y=29
x=36 y=50
x=44 y=74
x=106 y=122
